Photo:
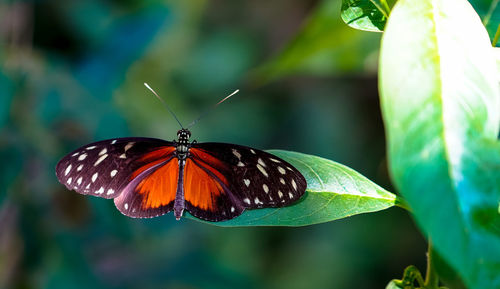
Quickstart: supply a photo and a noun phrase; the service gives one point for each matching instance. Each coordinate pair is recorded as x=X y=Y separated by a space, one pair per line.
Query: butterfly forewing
x=105 y=168
x=255 y=178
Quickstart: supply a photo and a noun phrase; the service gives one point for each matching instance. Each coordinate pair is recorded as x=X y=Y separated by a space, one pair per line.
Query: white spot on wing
x=103 y=151
x=262 y=170
x=94 y=177
x=75 y=154
x=257 y=201
x=280 y=194
x=240 y=164
x=281 y=170
x=232 y=209
x=90 y=148
x=123 y=156
x=282 y=181
x=66 y=172
x=251 y=150
x=247 y=182
x=294 y=185
x=246 y=200
x=79 y=168
x=100 y=159
x=129 y=146
x=69 y=181
x=126 y=206
x=290 y=195
x=79 y=181
x=113 y=173
x=275 y=160
x=100 y=191
x=261 y=162
x=82 y=157
x=110 y=192
x=236 y=153
x=113 y=142
x=265 y=188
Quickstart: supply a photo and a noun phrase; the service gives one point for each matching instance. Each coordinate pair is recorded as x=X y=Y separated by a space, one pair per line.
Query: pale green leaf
x=393 y=285
x=334 y=191
x=496 y=52
x=441 y=107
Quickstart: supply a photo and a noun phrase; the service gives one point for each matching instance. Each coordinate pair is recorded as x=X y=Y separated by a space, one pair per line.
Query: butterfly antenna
x=164 y=103
x=212 y=108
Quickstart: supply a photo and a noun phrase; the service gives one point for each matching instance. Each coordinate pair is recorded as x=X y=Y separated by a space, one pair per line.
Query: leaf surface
x=368 y=15
x=334 y=191
x=441 y=108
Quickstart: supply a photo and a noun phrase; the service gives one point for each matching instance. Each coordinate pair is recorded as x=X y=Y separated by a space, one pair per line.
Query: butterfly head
x=184 y=135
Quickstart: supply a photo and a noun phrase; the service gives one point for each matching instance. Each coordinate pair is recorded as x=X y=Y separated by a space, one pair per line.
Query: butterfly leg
x=179 y=203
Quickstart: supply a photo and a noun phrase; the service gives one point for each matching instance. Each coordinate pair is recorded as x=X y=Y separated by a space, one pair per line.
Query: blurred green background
x=72 y=72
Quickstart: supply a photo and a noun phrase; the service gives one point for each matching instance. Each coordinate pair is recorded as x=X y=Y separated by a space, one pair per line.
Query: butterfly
x=149 y=177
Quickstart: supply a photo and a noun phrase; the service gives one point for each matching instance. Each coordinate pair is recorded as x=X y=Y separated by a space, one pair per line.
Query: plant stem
x=386 y=7
x=497 y=35
x=400 y=202
x=431 y=276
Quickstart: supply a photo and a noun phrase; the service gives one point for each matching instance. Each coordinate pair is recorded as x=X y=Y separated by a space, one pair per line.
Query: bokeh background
x=72 y=72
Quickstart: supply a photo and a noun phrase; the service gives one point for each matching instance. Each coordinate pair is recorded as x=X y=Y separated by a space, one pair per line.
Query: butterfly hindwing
x=104 y=168
x=151 y=192
x=255 y=179
x=206 y=191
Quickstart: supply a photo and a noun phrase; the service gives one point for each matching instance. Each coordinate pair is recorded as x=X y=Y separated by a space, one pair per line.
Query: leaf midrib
x=328 y=198
x=346 y=172
x=446 y=148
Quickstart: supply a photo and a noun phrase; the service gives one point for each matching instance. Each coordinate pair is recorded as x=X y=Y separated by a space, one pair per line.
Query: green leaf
x=393 y=285
x=489 y=11
x=334 y=191
x=440 y=102
x=368 y=15
x=324 y=46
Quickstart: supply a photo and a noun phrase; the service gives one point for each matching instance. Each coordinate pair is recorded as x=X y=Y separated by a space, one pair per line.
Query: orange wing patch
x=153 y=158
x=158 y=154
x=159 y=188
x=213 y=163
x=201 y=189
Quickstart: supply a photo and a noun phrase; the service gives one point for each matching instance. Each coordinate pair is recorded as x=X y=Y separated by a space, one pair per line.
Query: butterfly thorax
x=182 y=145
